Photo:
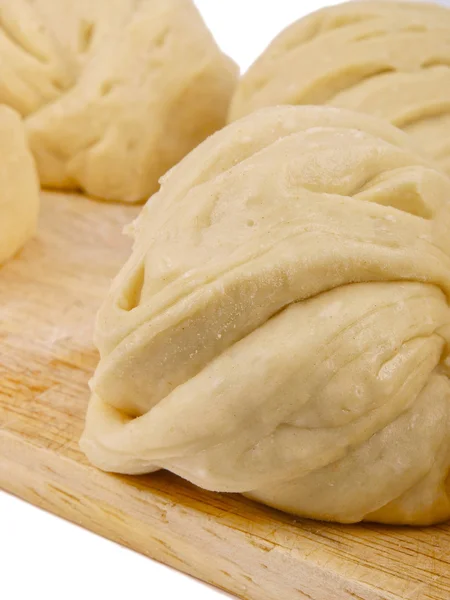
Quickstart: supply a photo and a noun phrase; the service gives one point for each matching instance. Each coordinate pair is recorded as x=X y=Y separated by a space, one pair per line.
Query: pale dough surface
x=389 y=59
x=113 y=92
x=19 y=186
x=282 y=327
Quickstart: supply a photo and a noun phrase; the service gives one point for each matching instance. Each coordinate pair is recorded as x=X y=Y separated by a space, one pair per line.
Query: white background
x=45 y=558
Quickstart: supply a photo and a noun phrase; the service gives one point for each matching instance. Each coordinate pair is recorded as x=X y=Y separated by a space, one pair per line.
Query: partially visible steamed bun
x=388 y=59
x=19 y=186
x=114 y=92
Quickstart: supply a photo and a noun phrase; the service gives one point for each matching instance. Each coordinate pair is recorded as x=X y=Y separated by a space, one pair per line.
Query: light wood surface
x=48 y=297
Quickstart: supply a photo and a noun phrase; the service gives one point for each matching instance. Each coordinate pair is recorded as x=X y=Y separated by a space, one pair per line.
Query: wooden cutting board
x=48 y=298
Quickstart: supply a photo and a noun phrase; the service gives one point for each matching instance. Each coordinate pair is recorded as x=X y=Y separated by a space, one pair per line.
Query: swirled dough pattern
x=19 y=186
x=113 y=92
x=389 y=59
x=282 y=327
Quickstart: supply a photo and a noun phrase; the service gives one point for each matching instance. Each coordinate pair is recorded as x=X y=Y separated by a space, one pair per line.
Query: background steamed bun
x=114 y=92
x=19 y=186
x=389 y=59
x=282 y=327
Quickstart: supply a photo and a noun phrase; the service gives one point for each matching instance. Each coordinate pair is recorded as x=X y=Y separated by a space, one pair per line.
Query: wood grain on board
x=48 y=298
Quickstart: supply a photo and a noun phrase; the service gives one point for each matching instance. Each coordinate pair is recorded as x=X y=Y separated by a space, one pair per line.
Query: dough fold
x=113 y=92
x=282 y=327
x=388 y=59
